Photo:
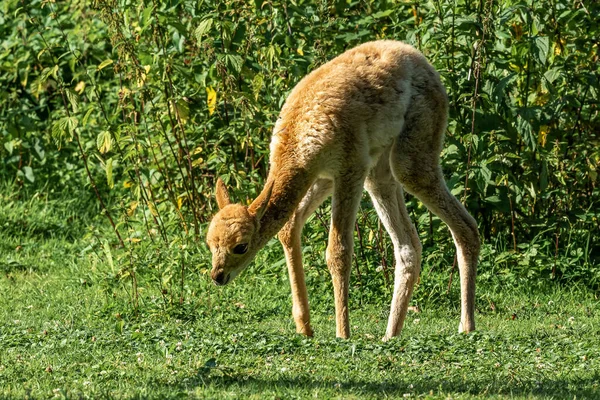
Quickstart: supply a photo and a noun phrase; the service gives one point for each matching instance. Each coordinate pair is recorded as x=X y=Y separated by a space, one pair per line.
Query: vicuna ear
x=259 y=206
x=222 y=195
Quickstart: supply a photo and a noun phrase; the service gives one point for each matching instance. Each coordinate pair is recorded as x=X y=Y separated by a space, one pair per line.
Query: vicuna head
x=233 y=235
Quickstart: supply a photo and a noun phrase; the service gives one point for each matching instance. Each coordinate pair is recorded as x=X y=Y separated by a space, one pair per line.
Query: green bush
x=146 y=103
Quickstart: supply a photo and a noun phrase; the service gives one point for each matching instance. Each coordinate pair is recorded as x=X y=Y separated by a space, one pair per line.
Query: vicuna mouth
x=223 y=281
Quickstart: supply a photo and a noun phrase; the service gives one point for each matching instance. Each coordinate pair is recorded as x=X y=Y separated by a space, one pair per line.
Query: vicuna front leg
x=388 y=199
x=290 y=238
x=344 y=206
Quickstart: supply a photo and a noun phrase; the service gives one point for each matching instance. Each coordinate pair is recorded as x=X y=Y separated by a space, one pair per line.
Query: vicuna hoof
x=465 y=328
x=305 y=330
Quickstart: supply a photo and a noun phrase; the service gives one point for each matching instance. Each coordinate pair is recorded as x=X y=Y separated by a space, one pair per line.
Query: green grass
x=67 y=329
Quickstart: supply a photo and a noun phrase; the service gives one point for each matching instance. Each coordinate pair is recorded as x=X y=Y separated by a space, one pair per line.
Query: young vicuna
x=374 y=117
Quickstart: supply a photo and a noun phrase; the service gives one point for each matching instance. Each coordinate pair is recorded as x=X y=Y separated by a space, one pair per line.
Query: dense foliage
x=146 y=103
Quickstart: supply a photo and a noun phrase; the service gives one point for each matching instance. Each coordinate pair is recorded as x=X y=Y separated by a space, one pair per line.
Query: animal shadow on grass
x=223 y=378
x=40 y=229
x=11 y=266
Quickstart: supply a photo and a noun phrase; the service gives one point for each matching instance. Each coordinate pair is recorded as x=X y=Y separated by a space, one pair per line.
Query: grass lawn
x=67 y=329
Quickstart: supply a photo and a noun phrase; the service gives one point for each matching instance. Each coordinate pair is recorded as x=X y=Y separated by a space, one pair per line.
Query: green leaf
x=257 y=85
x=29 y=174
x=147 y=16
x=541 y=46
x=552 y=74
x=87 y=116
x=9 y=146
x=72 y=123
x=54 y=72
x=108 y=254
x=544 y=176
x=493 y=200
x=181 y=108
x=485 y=172
x=73 y=99
x=59 y=129
x=524 y=128
x=451 y=149
x=104 y=142
x=500 y=88
x=178 y=26
x=119 y=326
x=531 y=190
x=39 y=150
x=234 y=62
x=104 y=64
x=383 y=14
x=202 y=29
x=109 y=173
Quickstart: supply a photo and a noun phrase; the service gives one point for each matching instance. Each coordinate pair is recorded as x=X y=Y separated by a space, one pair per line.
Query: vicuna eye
x=240 y=248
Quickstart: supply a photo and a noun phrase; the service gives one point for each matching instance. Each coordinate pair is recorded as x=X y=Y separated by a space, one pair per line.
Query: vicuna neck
x=289 y=187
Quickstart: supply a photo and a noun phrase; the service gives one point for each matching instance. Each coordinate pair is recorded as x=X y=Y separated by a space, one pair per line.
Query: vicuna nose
x=219 y=278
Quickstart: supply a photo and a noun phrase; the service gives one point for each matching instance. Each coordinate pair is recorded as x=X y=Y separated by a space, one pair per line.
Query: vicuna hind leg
x=388 y=200
x=415 y=163
x=435 y=195
x=290 y=238
x=421 y=175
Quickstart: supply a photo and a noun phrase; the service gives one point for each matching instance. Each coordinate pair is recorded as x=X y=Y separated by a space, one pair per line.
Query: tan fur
x=221 y=194
x=374 y=117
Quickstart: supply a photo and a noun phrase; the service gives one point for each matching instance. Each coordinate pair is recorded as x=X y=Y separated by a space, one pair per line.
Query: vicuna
x=373 y=117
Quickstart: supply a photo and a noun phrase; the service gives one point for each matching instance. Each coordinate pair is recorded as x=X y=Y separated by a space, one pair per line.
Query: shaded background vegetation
x=132 y=109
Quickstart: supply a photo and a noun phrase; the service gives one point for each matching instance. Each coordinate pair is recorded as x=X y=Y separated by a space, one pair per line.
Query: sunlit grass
x=68 y=328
